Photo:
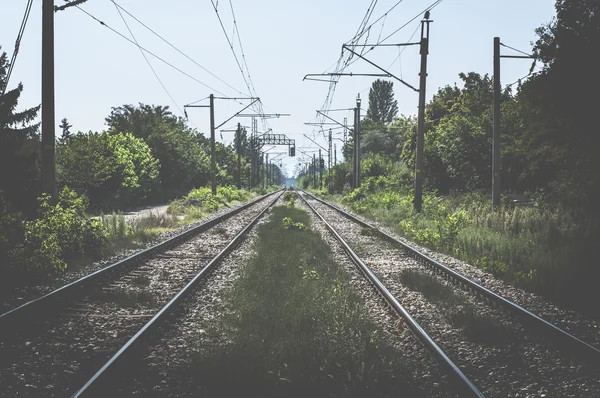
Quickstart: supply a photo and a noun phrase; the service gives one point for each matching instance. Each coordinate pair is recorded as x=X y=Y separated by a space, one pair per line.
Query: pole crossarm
x=243 y=109
x=316 y=143
x=70 y=4
x=518 y=56
x=380 y=68
x=333 y=120
x=264 y=115
x=386 y=45
x=308 y=77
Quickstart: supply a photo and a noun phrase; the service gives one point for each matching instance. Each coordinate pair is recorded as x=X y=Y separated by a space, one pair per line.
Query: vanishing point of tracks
x=522 y=354
x=74 y=340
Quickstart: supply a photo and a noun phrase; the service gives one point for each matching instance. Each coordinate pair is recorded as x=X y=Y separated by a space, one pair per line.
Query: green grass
x=295 y=327
x=550 y=251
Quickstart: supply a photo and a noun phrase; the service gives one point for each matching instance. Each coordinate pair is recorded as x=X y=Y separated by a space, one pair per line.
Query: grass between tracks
x=295 y=327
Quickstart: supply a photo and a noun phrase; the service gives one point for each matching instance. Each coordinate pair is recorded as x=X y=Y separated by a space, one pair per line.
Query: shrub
x=62 y=232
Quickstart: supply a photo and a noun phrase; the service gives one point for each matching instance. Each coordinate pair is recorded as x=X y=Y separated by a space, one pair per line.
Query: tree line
x=549 y=127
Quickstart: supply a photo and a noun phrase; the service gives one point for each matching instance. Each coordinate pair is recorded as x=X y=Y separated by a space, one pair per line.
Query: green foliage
x=200 y=201
x=19 y=147
x=288 y=223
x=115 y=170
x=182 y=152
x=382 y=106
x=63 y=233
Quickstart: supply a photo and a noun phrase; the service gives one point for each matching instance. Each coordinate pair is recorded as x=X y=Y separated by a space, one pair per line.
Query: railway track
x=53 y=345
x=524 y=362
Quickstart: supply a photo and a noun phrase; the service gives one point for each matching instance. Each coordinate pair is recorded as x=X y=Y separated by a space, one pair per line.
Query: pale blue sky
x=283 y=40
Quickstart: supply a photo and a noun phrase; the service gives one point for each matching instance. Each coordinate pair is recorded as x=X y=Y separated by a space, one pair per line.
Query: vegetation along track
x=52 y=345
x=495 y=349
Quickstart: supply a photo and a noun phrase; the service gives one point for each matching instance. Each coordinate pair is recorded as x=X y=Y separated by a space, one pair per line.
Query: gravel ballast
x=59 y=354
x=517 y=365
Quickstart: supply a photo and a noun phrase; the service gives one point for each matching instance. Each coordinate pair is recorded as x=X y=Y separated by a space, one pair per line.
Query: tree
x=182 y=152
x=66 y=134
x=115 y=170
x=382 y=106
x=559 y=107
x=19 y=147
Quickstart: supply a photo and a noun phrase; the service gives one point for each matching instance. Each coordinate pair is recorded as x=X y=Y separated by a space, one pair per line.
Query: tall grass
x=295 y=327
x=551 y=251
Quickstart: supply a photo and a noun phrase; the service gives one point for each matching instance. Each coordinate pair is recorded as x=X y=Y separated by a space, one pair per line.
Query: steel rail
x=581 y=347
x=94 y=385
x=9 y=321
x=463 y=384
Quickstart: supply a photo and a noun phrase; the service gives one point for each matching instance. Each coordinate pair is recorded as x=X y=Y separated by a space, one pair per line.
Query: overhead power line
x=177 y=49
x=147 y=60
x=13 y=59
x=149 y=52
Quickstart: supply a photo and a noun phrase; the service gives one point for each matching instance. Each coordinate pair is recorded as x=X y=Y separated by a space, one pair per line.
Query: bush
x=63 y=233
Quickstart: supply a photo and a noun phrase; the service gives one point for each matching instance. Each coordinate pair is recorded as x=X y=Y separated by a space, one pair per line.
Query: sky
x=282 y=41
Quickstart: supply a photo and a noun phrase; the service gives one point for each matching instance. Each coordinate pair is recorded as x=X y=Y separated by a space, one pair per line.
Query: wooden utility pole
x=314 y=172
x=418 y=200
x=334 y=154
x=213 y=155
x=239 y=155
x=496 y=138
x=262 y=171
x=321 y=161
x=48 y=129
x=357 y=143
x=329 y=162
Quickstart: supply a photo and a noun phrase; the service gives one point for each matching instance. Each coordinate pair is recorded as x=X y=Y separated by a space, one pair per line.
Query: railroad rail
x=463 y=384
x=95 y=385
x=564 y=338
x=19 y=317
x=62 y=343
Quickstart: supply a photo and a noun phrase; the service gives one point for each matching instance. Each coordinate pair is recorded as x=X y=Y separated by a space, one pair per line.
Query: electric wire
x=178 y=50
x=147 y=60
x=148 y=51
x=13 y=59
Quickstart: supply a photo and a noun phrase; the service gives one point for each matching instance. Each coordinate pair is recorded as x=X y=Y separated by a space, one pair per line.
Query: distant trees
x=19 y=146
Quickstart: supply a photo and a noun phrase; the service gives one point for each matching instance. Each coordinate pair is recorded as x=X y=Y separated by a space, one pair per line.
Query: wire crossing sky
x=275 y=42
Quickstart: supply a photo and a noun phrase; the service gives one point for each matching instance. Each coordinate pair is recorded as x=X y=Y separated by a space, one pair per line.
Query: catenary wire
x=146 y=58
x=13 y=59
x=178 y=50
x=148 y=51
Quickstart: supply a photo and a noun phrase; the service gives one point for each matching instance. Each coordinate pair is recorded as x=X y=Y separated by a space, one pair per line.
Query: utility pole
x=357 y=143
x=48 y=129
x=314 y=172
x=334 y=154
x=496 y=137
x=320 y=170
x=213 y=155
x=345 y=129
x=262 y=172
x=329 y=163
x=418 y=200
x=239 y=155
x=266 y=172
